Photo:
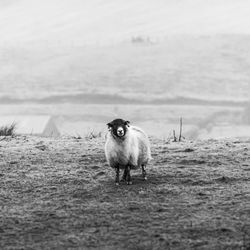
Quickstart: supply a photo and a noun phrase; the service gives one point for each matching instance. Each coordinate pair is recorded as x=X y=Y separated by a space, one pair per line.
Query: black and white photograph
x=125 y=125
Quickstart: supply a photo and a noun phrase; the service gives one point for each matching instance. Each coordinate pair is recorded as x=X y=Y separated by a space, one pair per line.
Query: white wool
x=133 y=149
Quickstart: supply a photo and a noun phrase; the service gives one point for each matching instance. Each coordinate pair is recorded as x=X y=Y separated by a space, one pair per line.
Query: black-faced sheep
x=127 y=147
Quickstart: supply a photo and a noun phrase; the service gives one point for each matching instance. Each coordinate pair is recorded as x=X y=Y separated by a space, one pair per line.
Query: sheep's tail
x=150 y=158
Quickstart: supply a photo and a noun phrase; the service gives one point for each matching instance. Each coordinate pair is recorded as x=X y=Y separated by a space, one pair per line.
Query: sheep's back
x=143 y=144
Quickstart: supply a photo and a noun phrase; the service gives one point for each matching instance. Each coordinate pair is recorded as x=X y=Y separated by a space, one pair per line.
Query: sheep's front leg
x=144 y=173
x=124 y=176
x=117 y=170
x=129 y=182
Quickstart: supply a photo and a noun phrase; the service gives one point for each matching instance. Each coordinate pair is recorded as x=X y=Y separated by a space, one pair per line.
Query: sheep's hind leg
x=144 y=173
x=129 y=182
x=117 y=170
x=124 y=176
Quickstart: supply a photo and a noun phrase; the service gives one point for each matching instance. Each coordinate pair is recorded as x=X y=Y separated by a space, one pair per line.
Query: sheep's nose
x=120 y=131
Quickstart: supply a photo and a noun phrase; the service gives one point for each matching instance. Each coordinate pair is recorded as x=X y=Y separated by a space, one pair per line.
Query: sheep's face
x=118 y=127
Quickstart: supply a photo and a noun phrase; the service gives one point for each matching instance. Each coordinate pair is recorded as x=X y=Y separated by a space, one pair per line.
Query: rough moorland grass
x=59 y=193
x=93 y=135
x=88 y=136
x=8 y=130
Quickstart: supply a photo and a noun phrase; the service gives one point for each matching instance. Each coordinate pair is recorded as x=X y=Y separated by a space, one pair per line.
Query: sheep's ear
x=127 y=123
x=110 y=125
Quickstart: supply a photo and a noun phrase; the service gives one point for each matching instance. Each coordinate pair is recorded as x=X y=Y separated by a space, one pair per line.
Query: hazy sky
x=104 y=21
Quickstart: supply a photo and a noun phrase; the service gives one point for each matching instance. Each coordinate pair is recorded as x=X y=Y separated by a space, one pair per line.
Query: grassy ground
x=60 y=194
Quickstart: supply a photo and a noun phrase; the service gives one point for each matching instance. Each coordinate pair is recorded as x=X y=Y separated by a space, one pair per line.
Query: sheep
x=127 y=147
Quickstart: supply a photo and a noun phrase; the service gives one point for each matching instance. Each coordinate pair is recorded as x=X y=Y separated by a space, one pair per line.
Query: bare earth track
x=60 y=194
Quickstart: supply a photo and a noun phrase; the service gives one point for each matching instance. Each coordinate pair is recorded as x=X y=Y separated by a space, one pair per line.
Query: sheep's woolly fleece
x=133 y=149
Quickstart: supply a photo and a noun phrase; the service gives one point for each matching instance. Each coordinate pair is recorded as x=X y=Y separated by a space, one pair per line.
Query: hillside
x=180 y=69
x=60 y=194
x=108 y=21
x=66 y=50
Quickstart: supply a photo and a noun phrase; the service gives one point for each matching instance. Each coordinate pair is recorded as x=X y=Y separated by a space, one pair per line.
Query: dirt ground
x=60 y=194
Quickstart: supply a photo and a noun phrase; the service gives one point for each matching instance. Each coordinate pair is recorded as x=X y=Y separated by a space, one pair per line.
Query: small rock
x=13 y=162
x=188 y=150
x=41 y=147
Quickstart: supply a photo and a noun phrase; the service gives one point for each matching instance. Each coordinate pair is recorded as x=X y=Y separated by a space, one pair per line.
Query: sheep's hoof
x=129 y=182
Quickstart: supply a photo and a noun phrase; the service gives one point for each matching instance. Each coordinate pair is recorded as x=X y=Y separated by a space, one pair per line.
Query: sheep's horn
x=109 y=124
x=127 y=123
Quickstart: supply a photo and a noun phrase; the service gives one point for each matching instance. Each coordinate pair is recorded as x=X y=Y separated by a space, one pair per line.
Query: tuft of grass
x=77 y=137
x=93 y=135
x=8 y=130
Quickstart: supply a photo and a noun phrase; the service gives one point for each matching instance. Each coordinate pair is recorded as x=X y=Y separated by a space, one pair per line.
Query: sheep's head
x=118 y=127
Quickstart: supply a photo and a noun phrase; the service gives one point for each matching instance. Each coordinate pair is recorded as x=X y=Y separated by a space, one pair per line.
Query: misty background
x=85 y=62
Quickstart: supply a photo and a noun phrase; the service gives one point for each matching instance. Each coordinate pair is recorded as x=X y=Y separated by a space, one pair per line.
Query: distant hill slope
x=58 y=47
x=102 y=21
x=207 y=68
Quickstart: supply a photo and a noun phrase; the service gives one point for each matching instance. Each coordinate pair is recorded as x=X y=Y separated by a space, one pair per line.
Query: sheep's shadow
x=154 y=179
x=138 y=180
